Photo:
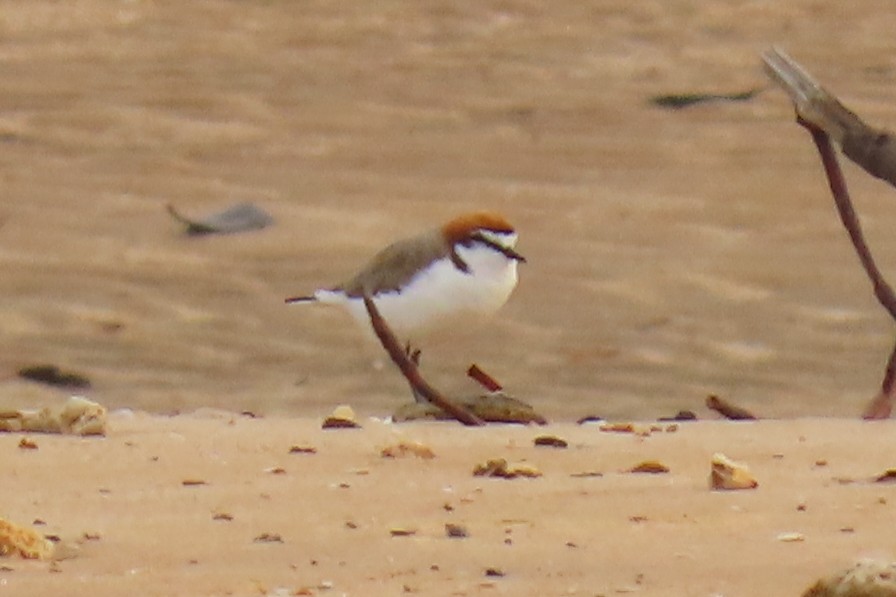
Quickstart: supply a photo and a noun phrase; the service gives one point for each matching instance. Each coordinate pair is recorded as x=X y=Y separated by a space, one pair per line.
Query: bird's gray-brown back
x=396 y=265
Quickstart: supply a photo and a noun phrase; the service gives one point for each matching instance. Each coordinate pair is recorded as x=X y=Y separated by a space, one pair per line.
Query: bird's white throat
x=503 y=239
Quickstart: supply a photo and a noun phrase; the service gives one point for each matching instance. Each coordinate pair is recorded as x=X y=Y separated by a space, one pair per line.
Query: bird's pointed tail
x=324 y=296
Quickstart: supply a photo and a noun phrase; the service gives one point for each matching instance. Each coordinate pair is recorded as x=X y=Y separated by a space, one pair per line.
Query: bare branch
x=728 y=409
x=484 y=379
x=409 y=369
x=837 y=183
x=874 y=150
x=871 y=148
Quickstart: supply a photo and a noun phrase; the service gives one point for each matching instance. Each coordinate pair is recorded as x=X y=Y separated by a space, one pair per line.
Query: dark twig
x=882 y=405
x=873 y=149
x=728 y=410
x=837 y=184
x=409 y=369
x=485 y=380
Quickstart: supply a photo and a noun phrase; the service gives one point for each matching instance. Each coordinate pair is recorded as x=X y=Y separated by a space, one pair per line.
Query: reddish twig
x=822 y=114
x=728 y=410
x=837 y=184
x=409 y=369
x=484 y=379
x=882 y=405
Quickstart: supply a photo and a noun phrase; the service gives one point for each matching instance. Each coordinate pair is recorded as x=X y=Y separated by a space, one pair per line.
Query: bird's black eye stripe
x=459 y=263
x=506 y=251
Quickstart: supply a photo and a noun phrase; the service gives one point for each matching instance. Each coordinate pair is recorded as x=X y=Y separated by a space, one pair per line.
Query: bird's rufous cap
x=462 y=226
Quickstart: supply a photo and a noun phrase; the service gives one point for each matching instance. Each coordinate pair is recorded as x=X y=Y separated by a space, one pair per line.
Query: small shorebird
x=439 y=279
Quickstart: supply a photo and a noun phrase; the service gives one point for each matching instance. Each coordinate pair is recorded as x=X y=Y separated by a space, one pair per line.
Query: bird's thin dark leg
x=413 y=355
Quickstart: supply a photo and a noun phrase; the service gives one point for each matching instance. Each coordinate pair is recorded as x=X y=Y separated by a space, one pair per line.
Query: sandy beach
x=217 y=504
x=672 y=254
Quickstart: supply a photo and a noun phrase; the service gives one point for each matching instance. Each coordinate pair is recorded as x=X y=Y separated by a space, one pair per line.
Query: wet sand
x=671 y=253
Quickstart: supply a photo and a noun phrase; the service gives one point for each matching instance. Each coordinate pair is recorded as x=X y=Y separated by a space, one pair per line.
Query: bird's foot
x=412 y=353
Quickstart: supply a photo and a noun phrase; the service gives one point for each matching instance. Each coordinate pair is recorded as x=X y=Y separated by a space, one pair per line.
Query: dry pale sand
x=334 y=510
x=671 y=254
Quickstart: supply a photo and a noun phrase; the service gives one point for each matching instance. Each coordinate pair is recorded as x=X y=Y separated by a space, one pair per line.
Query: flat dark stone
x=495 y=407
x=54 y=376
x=237 y=218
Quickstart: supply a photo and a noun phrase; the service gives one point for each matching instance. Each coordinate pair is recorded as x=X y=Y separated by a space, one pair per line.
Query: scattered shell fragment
x=402 y=531
x=26 y=443
x=344 y=411
x=727 y=474
x=408 y=448
x=888 y=476
x=24 y=542
x=682 y=415
x=456 y=531
x=65 y=550
x=550 y=441
x=791 y=537
x=192 y=482
x=649 y=466
x=499 y=467
x=77 y=416
x=866 y=578
x=589 y=419
x=342 y=417
x=302 y=450
x=640 y=430
x=268 y=538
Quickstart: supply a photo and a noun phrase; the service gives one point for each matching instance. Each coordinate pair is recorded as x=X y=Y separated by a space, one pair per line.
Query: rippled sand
x=671 y=254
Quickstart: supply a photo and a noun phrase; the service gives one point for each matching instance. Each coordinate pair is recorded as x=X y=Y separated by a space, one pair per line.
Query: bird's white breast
x=441 y=295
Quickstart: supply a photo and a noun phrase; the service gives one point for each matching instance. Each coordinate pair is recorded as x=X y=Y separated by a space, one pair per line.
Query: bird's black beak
x=506 y=251
x=513 y=255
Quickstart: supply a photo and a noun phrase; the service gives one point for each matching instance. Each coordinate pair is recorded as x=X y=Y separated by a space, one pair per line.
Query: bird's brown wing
x=395 y=266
